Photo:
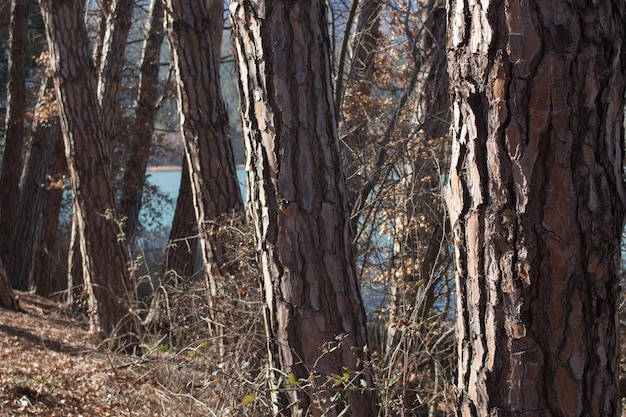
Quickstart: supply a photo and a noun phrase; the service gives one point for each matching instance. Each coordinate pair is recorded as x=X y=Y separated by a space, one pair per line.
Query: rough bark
x=7 y=299
x=180 y=254
x=45 y=250
x=194 y=28
x=536 y=203
x=104 y=12
x=104 y=258
x=116 y=26
x=37 y=159
x=15 y=128
x=297 y=203
x=145 y=113
x=365 y=46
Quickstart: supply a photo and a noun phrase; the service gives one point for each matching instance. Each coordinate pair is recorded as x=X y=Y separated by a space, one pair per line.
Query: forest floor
x=50 y=365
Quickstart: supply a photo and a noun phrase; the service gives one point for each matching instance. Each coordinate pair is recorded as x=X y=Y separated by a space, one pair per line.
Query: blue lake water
x=168 y=182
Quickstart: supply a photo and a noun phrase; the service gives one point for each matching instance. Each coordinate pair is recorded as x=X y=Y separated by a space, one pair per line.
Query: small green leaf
x=293 y=381
x=248 y=399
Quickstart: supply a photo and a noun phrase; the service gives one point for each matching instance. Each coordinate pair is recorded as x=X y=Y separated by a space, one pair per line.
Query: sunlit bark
x=536 y=203
x=104 y=257
x=297 y=202
x=194 y=30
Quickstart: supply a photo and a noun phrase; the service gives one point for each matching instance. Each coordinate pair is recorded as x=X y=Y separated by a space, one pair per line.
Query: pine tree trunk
x=145 y=113
x=117 y=25
x=194 y=30
x=7 y=299
x=37 y=159
x=15 y=129
x=105 y=258
x=180 y=254
x=297 y=203
x=364 y=40
x=42 y=271
x=536 y=203
x=5 y=20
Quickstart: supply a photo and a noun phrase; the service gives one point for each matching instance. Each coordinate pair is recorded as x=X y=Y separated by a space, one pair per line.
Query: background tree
x=5 y=19
x=7 y=299
x=297 y=203
x=536 y=203
x=37 y=181
x=105 y=259
x=145 y=115
x=182 y=247
x=15 y=129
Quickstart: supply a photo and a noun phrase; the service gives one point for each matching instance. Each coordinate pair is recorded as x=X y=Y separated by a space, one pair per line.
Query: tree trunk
x=297 y=202
x=76 y=290
x=180 y=254
x=116 y=26
x=37 y=159
x=105 y=259
x=7 y=299
x=364 y=42
x=194 y=30
x=145 y=113
x=46 y=238
x=5 y=20
x=536 y=202
x=15 y=129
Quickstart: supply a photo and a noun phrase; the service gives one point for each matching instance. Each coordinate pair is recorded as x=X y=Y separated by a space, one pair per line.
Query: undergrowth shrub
x=196 y=370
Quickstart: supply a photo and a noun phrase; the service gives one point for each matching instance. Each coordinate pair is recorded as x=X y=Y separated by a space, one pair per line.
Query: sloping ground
x=50 y=366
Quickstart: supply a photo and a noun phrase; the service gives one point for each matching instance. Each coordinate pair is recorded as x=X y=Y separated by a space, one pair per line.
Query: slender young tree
x=420 y=222
x=116 y=25
x=105 y=259
x=536 y=203
x=297 y=202
x=15 y=129
x=145 y=113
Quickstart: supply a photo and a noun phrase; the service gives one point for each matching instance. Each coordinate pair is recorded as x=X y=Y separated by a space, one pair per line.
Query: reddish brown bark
x=536 y=203
x=297 y=203
x=192 y=29
x=105 y=258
